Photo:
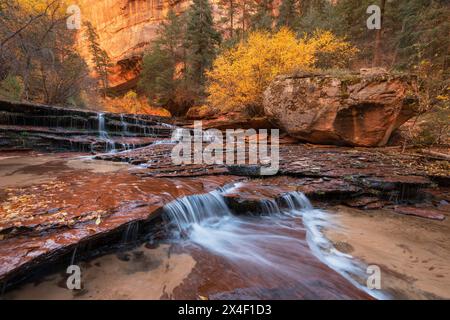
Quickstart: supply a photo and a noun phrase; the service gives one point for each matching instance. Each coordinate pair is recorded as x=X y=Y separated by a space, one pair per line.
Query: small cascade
x=131 y=233
x=110 y=145
x=295 y=201
x=197 y=209
x=211 y=207
x=124 y=125
x=290 y=202
x=269 y=206
x=265 y=245
x=49 y=128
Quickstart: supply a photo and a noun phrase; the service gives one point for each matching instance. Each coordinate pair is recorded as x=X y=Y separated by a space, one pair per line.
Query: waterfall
x=110 y=144
x=124 y=125
x=197 y=209
x=271 y=246
x=211 y=207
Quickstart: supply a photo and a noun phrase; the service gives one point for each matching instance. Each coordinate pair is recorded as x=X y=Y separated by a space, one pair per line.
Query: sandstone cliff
x=125 y=29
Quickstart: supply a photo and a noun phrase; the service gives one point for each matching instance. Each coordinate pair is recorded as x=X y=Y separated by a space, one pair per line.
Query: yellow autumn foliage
x=36 y=7
x=131 y=103
x=241 y=74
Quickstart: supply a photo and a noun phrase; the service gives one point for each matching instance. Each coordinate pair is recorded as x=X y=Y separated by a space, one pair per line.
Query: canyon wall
x=125 y=29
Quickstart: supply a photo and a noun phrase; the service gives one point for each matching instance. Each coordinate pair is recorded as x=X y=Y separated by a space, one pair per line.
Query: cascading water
x=197 y=209
x=124 y=125
x=211 y=207
x=110 y=144
x=274 y=247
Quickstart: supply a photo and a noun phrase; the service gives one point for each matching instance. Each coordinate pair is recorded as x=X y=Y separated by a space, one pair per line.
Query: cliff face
x=125 y=29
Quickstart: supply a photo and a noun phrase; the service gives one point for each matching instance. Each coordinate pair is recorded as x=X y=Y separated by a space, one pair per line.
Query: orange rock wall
x=125 y=29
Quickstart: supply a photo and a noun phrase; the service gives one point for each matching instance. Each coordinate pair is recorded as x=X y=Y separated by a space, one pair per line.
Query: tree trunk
x=378 y=38
x=231 y=18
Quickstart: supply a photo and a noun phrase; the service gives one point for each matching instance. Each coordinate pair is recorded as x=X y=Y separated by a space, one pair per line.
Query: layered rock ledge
x=41 y=127
x=79 y=212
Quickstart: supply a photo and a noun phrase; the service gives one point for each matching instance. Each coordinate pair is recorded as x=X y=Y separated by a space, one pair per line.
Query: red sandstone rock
x=361 y=202
x=126 y=29
x=428 y=213
x=356 y=110
x=200 y=113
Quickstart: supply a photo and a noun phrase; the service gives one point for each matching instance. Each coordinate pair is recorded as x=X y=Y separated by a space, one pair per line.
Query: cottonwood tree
x=38 y=51
x=241 y=74
x=14 y=22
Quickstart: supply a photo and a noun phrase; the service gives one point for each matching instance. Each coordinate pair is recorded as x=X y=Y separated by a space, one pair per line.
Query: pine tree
x=263 y=17
x=288 y=14
x=157 y=78
x=100 y=58
x=202 y=39
x=245 y=7
x=164 y=66
x=171 y=36
x=378 y=38
x=231 y=8
x=422 y=33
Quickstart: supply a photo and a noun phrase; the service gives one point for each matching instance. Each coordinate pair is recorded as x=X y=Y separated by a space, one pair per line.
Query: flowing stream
x=211 y=251
x=280 y=253
x=276 y=250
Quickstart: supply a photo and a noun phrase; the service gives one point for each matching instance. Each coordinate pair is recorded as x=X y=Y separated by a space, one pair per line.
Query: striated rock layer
x=352 y=109
x=41 y=127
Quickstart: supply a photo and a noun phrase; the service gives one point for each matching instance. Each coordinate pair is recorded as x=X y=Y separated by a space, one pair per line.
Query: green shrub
x=11 y=88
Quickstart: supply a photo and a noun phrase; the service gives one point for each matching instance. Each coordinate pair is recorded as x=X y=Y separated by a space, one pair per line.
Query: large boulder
x=348 y=109
x=201 y=113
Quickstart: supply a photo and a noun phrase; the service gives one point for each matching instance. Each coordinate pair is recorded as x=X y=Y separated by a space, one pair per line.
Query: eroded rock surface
x=61 y=208
x=78 y=211
x=79 y=208
x=365 y=177
x=351 y=109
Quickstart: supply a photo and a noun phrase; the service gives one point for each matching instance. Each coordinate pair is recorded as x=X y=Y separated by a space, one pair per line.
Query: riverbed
x=300 y=251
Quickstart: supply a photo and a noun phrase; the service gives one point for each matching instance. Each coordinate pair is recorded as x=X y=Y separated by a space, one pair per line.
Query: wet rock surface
x=58 y=206
x=323 y=169
x=41 y=127
x=369 y=179
x=71 y=212
x=86 y=209
x=362 y=178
